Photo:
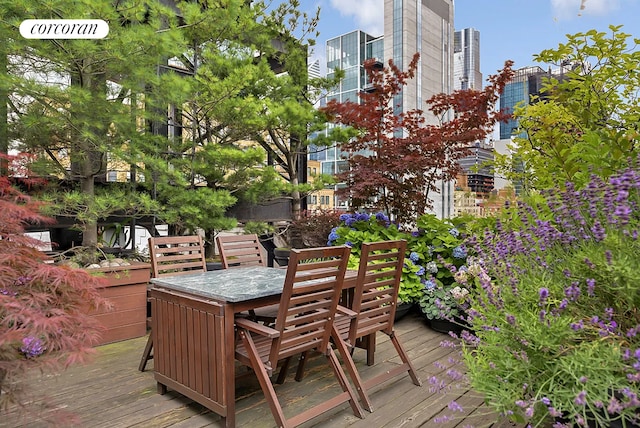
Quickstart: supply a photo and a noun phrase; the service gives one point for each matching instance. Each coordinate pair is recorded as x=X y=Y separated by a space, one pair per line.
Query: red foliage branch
x=44 y=321
x=397 y=158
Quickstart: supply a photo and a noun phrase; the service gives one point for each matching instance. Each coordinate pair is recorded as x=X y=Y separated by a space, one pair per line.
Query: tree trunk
x=90 y=229
x=89 y=160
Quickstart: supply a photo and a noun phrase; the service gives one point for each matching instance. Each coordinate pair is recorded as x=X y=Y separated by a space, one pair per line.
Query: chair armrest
x=257 y=328
x=344 y=311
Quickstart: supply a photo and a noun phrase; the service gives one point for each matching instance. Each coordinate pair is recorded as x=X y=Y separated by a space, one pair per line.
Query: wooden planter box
x=126 y=289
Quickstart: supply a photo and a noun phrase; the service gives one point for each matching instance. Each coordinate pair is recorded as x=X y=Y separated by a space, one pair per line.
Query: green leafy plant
x=438 y=246
x=434 y=251
x=357 y=228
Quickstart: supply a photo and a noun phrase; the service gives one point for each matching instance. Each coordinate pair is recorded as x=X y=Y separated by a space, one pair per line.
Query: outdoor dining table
x=194 y=335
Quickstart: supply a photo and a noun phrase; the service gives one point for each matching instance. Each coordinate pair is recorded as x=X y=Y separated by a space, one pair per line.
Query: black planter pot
x=281 y=256
x=445 y=326
x=214 y=266
x=402 y=309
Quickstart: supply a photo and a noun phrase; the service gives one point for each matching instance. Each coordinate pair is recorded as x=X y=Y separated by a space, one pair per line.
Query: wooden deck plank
x=111 y=392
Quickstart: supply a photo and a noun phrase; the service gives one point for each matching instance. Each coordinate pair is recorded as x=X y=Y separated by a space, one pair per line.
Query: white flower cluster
x=459 y=293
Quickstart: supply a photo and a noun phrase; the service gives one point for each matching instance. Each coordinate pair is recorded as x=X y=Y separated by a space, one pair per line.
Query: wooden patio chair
x=240 y=251
x=373 y=310
x=172 y=255
x=305 y=319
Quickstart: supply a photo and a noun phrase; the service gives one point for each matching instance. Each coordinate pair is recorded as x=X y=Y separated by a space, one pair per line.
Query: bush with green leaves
x=435 y=251
x=438 y=247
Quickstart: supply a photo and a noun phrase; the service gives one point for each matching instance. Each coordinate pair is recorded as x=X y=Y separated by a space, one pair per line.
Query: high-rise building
x=524 y=88
x=477 y=167
x=425 y=27
x=347 y=52
x=526 y=83
x=466 y=60
x=410 y=26
x=313 y=69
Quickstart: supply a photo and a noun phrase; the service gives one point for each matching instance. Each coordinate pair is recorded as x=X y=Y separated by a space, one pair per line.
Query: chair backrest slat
x=309 y=300
x=240 y=250
x=378 y=283
x=176 y=255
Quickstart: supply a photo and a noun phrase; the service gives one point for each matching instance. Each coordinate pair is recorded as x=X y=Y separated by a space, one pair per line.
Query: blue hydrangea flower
x=349 y=244
x=420 y=271
x=382 y=217
x=345 y=217
x=414 y=257
x=362 y=217
x=454 y=232
x=32 y=347
x=460 y=252
x=333 y=235
x=429 y=284
x=349 y=222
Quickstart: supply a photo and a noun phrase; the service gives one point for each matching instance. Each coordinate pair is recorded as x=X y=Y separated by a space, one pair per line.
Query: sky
x=509 y=29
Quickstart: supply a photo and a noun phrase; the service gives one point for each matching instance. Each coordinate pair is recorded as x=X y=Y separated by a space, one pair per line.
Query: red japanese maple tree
x=396 y=159
x=44 y=321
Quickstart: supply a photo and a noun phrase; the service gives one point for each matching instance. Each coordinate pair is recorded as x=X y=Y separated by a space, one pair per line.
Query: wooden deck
x=111 y=392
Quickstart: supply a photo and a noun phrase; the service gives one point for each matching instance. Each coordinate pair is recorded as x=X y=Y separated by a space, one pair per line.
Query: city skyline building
x=466 y=60
x=476 y=167
x=525 y=84
x=425 y=27
x=347 y=52
x=524 y=88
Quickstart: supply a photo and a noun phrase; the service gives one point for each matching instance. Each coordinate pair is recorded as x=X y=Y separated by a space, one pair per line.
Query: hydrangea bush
x=556 y=316
x=440 y=249
x=435 y=252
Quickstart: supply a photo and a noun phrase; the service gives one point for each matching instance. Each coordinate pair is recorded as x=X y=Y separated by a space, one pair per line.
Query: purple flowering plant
x=556 y=317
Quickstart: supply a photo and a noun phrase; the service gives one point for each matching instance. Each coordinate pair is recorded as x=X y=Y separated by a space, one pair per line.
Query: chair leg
x=283 y=371
x=344 y=383
x=405 y=359
x=301 y=363
x=146 y=355
x=352 y=370
x=263 y=379
x=371 y=348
